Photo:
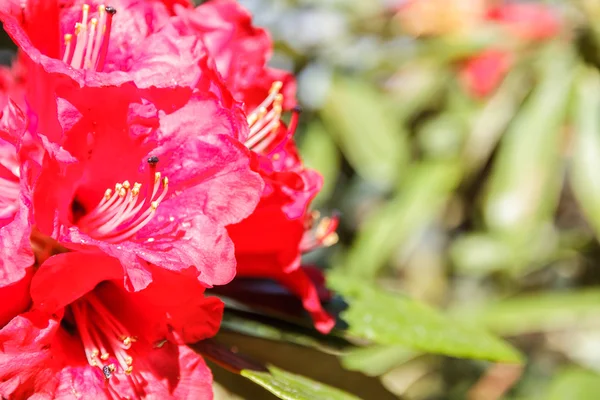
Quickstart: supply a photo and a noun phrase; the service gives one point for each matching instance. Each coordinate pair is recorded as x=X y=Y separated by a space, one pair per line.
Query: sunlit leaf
x=389 y=319
x=526 y=177
x=288 y=386
x=370 y=137
x=574 y=384
x=418 y=202
x=320 y=153
x=586 y=147
x=376 y=360
x=282 y=384
x=538 y=312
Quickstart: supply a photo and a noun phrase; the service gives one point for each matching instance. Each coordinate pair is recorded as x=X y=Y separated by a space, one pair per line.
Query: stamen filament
x=120 y=215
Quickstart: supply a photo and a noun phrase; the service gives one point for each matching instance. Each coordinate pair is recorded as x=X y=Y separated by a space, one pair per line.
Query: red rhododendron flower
x=15 y=227
x=269 y=243
x=87 y=336
x=482 y=73
x=160 y=100
x=527 y=21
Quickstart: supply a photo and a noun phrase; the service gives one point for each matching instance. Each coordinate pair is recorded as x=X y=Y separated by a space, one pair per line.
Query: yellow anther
x=126 y=185
x=122 y=192
x=322 y=227
x=128 y=360
x=262 y=112
x=94 y=21
x=118 y=187
x=165 y=181
x=95 y=353
x=331 y=239
x=78 y=27
x=154 y=205
x=276 y=87
x=68 y=38
x=104 y=356
x=127 y=341
x=86 y=8
x=278 y=99
x=107 y=194
x=129 y=370
x=156 y=177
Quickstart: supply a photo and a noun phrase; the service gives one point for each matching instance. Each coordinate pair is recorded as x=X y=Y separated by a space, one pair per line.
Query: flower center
x=321 y=235
x=123 y=212
x=87 y=47
x=106 y=341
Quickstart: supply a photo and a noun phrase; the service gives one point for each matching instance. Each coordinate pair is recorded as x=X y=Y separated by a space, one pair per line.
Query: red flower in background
x=483 y=73
x=270 y=242
x=89 y=337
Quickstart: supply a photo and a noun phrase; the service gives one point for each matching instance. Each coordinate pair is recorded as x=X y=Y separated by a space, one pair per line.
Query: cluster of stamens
x=105 y=340
x=87 y=47
x=321 y=234
x=264 y=121
x=123 y=212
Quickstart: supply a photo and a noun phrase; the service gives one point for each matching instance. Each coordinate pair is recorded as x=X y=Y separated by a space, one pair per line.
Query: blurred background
x=460 y=142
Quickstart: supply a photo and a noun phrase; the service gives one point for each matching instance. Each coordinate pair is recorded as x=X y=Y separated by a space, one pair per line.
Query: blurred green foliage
x=484 y=207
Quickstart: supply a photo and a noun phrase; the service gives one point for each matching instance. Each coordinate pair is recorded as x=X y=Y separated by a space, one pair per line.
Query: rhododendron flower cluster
x=143 y=159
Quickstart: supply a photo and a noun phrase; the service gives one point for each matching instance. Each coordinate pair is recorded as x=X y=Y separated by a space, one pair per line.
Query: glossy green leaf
x=576 y=384
x=586 y=148
x=417 y=203
x=389 y=319
x=288 y=386
x=376 y=360
x=370 y=137
x=526 y=179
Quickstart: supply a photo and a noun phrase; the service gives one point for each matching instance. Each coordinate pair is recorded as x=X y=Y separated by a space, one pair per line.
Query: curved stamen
x=122 y=213
x=264 y=121
x=91 y=40
x=106 y=342
x=323 y=235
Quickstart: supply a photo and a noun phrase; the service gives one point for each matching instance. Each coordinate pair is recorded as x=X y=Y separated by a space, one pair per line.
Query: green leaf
x=491 y=121
x=376 y=360
x=526 y=178
x=397 y=320
x=328 y=344
x=282 y=384
x=418 y=202
x=586 y=148
x=575 y=383
x=370 y=137
x=288 y=386
x=320 y=153
x=538 y=312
